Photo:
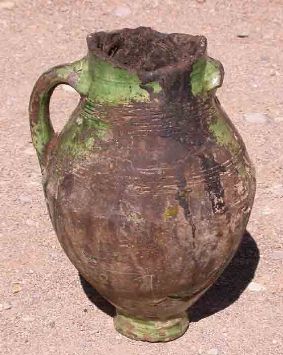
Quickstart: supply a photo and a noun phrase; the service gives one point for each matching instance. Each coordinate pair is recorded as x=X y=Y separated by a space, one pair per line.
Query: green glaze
x=241 y=169
x=42 y=131
x=101 y=82
x=205 y=76
x=80 y=135
x=77 y=75
x=224 y=134
x=170 y=212
x=114 y=85
x=151 y=330
x=155 y=86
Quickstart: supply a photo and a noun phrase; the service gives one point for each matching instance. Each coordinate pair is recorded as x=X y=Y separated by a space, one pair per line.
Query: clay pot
x=149 y=186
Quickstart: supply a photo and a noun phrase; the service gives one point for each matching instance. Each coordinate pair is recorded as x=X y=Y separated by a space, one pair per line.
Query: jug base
x=151 y=330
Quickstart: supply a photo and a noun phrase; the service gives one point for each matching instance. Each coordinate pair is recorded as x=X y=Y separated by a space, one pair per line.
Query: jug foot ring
x=150 y=329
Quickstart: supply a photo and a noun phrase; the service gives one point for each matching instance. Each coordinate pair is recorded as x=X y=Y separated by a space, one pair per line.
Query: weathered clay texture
x=149 y=186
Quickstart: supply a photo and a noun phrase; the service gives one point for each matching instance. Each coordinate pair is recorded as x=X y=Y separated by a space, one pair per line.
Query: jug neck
x=110 y=84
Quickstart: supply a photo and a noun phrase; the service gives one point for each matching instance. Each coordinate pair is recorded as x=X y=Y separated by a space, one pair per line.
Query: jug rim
x=147 y=52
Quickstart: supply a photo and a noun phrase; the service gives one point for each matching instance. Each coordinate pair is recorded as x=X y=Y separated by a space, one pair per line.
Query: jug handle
x=74 y=74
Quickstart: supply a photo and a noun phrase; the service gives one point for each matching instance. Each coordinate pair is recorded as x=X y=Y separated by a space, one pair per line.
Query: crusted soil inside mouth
x=144 y=49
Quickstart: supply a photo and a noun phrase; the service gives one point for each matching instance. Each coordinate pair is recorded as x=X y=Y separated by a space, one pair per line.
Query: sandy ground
x=43 y=307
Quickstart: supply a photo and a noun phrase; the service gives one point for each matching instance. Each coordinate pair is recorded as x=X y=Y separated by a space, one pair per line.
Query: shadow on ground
x=99 y=301
x=230 y=285
x=226 y=290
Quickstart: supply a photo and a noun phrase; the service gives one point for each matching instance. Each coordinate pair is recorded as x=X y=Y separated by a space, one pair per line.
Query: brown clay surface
x=43 y=308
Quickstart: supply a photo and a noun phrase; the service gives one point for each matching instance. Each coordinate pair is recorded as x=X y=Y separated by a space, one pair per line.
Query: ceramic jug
x=149 y=185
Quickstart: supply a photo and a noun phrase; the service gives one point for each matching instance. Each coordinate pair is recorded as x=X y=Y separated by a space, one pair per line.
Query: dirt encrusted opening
x=144 y=49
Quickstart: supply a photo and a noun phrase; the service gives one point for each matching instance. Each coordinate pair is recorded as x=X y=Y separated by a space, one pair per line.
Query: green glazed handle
x=42 y=132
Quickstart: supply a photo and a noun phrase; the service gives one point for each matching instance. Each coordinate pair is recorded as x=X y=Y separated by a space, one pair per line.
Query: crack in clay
x=182 y=197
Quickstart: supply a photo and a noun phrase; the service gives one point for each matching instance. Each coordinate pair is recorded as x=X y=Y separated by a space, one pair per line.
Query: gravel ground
x=43 y=307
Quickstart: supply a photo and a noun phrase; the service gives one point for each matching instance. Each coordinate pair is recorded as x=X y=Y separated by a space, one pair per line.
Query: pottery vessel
x=149 y=185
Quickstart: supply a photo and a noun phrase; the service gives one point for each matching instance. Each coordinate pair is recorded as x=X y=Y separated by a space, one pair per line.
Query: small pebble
x=24 y=198
x=5 y=306
x=256 y=117
x=28 y=318
x=30 y=222
x=122 y=11
x=277 y=190
x=255 y=287
x=7 y=5
x=266 y=211
x=277 y=255
x=275 y=73
x=212 y=351
x=16 y=287
x=154 y=3
x=242 y=35
x=52 y=324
